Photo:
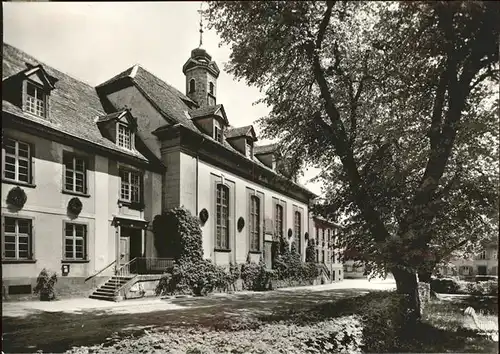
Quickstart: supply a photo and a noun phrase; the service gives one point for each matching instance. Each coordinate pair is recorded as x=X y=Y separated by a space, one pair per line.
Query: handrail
x=126 y=264
x=99 y=272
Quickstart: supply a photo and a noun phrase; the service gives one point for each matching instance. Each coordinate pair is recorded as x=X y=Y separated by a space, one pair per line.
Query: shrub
x=256 y=276
x=310 y=252
x=482 y=288
x=197 y=278
x=191 y=273
x=178 y=234
x=45 y=284
x=445 y=286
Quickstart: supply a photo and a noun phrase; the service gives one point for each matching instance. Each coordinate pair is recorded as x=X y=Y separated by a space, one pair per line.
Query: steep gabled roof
x=74 y=105
x=247 y=130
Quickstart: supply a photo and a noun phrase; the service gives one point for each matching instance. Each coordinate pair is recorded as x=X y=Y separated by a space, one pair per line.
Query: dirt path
x=60 y=328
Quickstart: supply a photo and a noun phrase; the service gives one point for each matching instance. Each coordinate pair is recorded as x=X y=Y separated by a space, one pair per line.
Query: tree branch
x=340 y=142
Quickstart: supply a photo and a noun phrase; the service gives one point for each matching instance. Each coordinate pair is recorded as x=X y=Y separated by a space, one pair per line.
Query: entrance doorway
x=130 y=244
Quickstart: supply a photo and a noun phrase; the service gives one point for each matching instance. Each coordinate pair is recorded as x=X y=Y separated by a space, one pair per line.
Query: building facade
x=128 y=150
x=324 y=234
x=483 y=263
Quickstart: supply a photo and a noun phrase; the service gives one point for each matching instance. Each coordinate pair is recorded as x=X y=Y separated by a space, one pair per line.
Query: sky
x=93 y=41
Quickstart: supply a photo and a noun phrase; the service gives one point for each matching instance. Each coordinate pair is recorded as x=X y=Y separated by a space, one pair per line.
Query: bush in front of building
x=45 y=284
x=256 y=276
x=451 y=286
x=177 y=234
x=310 y=252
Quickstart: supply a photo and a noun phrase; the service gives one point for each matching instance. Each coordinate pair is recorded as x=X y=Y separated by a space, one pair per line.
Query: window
x=328 y=235
x=211 y=88
x=192 y=86
x=322 y=237
x=17 y=238
x=317 y=255
x=254 y=223
x=482 y=255
x=124 y=136
x=298 y=231
x=278 y=219
x=249 y=148
x=222 y=217
x=494 y=254
x=130 y=186
x=75 y=173
x=17 y=161
x=35 y=100
x=323 y=257
x=218 y=134
x=75 y=241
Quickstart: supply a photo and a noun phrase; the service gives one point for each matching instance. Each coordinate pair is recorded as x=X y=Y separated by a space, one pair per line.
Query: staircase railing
x=124 y=270
x=99 y=272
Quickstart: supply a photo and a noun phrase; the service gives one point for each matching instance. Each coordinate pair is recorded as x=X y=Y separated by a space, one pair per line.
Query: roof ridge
x=47 y=65
x=166 y=82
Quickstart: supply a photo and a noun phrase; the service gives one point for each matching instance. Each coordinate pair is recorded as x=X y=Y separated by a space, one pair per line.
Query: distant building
x=324 y=234
x=483 y=263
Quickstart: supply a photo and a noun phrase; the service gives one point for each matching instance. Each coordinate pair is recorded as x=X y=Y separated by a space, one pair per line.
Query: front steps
x=108 y=290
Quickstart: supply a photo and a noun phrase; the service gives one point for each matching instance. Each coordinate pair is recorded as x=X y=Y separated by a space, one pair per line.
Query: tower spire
x=200 y=11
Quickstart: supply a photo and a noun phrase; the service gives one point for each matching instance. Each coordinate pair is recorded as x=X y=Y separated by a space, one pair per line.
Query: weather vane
x=201 y=24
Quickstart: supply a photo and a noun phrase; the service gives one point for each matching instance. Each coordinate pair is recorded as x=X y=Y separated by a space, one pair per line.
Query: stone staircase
x=110 y=288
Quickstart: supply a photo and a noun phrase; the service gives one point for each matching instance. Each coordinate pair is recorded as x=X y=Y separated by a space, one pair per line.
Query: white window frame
x=254 y=228
x=17 y=158
x=278 y=209
x=75 y=172
x=297 y=228
x=127 y=186
x=16 y=234
x=218 y=134
x=482 y=255
x=248 y=148
x=123 y=133
x=73 y=237
x=33 y=104
x=221 y=223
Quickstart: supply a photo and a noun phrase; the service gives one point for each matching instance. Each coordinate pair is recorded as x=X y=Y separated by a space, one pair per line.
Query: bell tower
x=201 y=74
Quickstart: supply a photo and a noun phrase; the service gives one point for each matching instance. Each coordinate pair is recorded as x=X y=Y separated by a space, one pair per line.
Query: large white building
x=127 y=150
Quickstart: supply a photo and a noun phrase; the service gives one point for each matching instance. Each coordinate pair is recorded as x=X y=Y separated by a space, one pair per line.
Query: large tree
x=395 y=103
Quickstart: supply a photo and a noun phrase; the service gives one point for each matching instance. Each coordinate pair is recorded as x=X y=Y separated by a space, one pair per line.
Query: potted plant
x=45 y=285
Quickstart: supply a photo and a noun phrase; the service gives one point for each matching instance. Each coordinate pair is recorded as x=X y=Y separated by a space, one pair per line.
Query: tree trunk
x=407 y=285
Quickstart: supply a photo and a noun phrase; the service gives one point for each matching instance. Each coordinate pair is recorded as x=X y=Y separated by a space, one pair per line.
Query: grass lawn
x=444 y=328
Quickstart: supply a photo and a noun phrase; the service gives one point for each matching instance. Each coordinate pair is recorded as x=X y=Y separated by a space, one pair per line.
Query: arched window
x=298 y=230
x=278 y=220
x=192 y=85
x=222 y=217
x=211 y=88
x=254 y=223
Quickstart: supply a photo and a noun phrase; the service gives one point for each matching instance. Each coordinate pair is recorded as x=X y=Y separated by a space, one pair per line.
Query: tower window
x=211 y=88
x=192 y=86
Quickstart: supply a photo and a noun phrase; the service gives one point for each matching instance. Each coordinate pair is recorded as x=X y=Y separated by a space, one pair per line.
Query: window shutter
x=31 y=249
x=85 y=242
x=32 y=161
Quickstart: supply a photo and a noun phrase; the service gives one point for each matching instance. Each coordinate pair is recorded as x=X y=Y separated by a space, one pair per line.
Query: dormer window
x=124 y=136
x=218 y=132
x=35 y=99
x=249 y=149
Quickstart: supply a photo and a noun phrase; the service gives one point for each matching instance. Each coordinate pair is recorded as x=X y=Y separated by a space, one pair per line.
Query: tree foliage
x=396 y=102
